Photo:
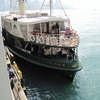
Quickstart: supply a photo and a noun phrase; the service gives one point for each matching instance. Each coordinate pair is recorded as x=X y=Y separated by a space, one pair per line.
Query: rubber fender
x=15 y=65
x=20 y=74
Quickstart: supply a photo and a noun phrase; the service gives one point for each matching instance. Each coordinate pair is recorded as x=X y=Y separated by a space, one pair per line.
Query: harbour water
x=47 y=84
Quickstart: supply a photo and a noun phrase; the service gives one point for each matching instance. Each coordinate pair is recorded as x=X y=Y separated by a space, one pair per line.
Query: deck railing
x=64 y=40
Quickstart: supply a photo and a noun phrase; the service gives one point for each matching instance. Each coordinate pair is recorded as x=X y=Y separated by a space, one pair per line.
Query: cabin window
x=43 y=28
x=31 y=28
x=61 y=26
x=35 y=28
x=8 y=25
x=23 y=29
x=54 y=27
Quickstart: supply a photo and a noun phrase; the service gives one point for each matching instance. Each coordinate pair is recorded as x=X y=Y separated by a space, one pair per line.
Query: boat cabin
x=45 y=30
x=50 y=31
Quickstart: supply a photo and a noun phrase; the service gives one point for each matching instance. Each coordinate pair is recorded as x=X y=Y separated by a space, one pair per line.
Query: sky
x=82 y=4
x=67 y=4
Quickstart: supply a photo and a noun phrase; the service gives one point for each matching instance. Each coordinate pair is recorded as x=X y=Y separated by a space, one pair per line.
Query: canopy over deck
x=27 y=19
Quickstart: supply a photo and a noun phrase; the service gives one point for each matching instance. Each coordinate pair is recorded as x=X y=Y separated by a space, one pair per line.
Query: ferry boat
x=42 y=39
x=18 y=90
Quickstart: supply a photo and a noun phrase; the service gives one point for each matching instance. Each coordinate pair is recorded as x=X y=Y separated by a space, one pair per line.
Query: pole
x=51 y=3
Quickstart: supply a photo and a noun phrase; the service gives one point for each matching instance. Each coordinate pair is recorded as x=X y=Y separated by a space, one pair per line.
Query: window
x=8 y=25
x=23 y=29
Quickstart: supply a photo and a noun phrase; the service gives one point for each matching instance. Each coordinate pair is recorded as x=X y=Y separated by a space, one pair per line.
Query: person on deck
x=68 y=32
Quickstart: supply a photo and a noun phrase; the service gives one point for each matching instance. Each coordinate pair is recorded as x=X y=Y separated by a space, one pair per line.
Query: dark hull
x=70 y=67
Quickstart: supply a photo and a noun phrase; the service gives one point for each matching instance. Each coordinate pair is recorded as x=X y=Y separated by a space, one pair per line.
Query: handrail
x=55 y=39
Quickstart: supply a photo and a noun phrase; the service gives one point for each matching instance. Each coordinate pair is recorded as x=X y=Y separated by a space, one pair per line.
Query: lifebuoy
x=41 y=39
x=33 y=38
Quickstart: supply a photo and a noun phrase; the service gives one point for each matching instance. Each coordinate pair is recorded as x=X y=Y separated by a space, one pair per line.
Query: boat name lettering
x=48 y=62
x=52 y=63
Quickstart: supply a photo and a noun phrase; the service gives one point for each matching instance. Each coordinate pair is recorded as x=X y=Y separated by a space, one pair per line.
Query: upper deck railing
x=61 y=40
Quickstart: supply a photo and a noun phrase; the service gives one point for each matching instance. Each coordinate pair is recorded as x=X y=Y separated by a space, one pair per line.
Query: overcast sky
x=84 y=4
x=81 y=4
x=68 y=4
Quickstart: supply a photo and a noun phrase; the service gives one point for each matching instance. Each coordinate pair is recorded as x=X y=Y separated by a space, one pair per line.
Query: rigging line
x=17 y=4
x=15 y=7
x=29 y=6
x=11 y=5
x=42 y=5
x=59 y=7
x=62 y=8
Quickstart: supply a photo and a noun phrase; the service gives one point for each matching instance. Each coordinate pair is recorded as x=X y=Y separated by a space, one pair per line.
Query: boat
x=18 y=89
x=42 y=39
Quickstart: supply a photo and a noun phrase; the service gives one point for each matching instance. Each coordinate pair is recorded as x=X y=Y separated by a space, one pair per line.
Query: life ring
x=33 y=38
x=41 y=39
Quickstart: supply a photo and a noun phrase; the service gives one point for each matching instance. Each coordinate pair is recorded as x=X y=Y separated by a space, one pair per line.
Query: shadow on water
x=46 y=84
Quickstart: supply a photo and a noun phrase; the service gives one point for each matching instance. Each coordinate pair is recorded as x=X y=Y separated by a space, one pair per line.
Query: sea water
x=47 y=84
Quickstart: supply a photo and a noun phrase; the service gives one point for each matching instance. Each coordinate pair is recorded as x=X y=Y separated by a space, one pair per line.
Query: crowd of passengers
x=55 y=30
x=53 y=52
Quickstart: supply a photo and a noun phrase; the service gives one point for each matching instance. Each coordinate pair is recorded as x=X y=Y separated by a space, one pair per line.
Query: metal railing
x=64 y=40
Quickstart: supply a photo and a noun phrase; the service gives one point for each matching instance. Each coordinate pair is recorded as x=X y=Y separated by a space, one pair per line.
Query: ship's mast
x=51 y=3
x=21 y=7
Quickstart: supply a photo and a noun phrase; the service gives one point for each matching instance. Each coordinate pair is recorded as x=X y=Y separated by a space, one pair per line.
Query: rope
x=16 y=7
x=29 y=6
x=62 y=8
x=59 y=7
x=42 y=6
